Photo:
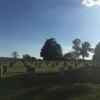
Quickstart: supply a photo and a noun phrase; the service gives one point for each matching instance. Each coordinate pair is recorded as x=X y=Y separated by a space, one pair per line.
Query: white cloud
x=90 y=3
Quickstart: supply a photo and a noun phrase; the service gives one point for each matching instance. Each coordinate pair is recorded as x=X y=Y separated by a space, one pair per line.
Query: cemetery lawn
x=47 y=85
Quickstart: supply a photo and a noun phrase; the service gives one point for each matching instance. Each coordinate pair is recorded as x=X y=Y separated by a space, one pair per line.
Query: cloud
x=90 y=3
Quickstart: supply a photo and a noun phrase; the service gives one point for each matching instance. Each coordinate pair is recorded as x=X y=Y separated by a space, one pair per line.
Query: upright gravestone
x=32 y=62
x=35 y=63
x=93 y=64
x=79 y=62
x=39 y=65
x=85 y=68
x=53 y=64
x=97 y=65
x=89 y=72
x=69 y=68
x=28 y=67
x=0 y=64
x=71 y=62
x=4 y=69
x=32 y=72
x=75 y=64
x=64 y=65
x=11 y=64
x=41 y=62
x=62 y=72
x=4 y=62
x=25 y=64
x=0 y=72
x=47 y=63
x=56 y=63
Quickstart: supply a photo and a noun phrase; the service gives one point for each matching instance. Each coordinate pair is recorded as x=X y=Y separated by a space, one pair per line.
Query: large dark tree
x=77 y=47
x=86 y=47
x=51 y=50
x=96 y=55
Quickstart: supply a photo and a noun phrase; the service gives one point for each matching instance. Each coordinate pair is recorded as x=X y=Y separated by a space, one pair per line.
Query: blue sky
x=26 y=24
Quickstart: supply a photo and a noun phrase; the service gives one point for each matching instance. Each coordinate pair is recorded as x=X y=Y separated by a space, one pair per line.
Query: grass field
x=47 y=85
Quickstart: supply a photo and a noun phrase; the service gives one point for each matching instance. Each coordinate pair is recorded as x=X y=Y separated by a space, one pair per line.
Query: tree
x=86 y=47
x=69 y=55
x=51 y=50
x=14 y=54
x=26 y=57
x=96 y=55
x=77 y=47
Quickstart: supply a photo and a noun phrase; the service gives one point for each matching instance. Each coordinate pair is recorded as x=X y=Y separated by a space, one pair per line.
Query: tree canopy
x=96 y=55
x=28 y=57
x=77 y=47
x=70 y=56
x=86 y=47
x=51 y=50
x=14 y=54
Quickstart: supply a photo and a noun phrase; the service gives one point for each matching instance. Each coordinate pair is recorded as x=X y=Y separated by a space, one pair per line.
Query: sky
x=25 y=25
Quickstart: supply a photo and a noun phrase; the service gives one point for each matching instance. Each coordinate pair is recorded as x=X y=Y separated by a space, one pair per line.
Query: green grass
x=16 y=84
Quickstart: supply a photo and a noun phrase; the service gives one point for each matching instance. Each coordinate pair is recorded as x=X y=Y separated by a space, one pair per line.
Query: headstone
x=85 y=68
x=64 y=65
x=11 y=64
x=71 y=62
x=4 y=62
x=89 y=72
x=75 y=64
x=56 y=63
x=62 y=72
x=0 y=72
x=32 y=62
x=70 y=68
x=32 y=72
x=0 y=64
x=28 y=67
x=53 y=64
x=35 y=63
x=25 y=64
x=79 y=62
x=47 y=63
x=93 y=64
x=41 y=62
x=4 y=69
x=39 y=65
x=97 y=65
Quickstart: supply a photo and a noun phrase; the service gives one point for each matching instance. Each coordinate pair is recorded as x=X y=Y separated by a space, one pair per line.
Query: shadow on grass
x=46 y=86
